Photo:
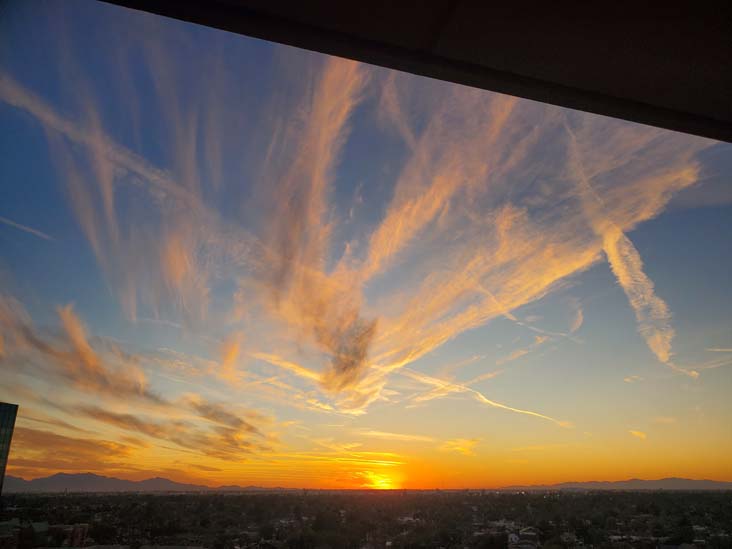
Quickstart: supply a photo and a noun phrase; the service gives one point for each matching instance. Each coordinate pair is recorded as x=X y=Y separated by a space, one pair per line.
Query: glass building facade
x=8 y=412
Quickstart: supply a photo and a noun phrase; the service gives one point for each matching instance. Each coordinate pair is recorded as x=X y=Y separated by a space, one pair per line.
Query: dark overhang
x=647 y=62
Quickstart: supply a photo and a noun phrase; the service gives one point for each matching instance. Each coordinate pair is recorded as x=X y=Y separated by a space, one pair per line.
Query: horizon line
x=252 y=487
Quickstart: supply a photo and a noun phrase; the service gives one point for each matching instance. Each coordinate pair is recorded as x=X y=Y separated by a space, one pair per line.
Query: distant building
x=8 y=412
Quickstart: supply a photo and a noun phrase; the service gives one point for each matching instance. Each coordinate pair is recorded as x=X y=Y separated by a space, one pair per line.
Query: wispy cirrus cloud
x=518 y=353
x=39 y=452
x=450 y=369
x=25 y=228
x=514 y=355
x=92 y=176
x=442 y=388
x=651 y=312
x=465 y=446
x=70 y=357
x=231 y=350
x=578 y=319
x=400 y=437
x=713 y=364
x=231 y=440
x=538 y=447
x=502 y=174
x=72 y=361
x=291 y=367
x=638 y=434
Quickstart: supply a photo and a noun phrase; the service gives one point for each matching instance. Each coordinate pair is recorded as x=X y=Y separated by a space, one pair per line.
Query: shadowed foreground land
x=370 y=519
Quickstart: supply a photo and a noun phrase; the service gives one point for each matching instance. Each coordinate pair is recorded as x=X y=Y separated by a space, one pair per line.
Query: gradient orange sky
x=226 y=261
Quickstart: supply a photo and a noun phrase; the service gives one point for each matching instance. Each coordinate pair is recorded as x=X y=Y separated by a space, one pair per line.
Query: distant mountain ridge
x=671 y=483
x=90 y=482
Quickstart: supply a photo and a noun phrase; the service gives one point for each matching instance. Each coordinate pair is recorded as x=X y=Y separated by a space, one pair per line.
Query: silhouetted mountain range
x=631 y=485
x=89 y=482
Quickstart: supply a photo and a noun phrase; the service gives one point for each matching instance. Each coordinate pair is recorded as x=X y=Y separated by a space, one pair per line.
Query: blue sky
x=244 y=262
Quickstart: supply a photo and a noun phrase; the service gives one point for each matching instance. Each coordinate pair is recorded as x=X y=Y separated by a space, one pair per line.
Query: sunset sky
x=227 y=261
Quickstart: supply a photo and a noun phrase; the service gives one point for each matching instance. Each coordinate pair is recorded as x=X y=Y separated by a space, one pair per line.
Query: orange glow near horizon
x=378 y=481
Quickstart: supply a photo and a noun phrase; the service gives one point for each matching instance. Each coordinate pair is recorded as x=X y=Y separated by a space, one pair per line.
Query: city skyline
x=253 y=264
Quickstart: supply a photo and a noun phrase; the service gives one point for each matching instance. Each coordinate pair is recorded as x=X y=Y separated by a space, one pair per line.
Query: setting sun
x=377 y=481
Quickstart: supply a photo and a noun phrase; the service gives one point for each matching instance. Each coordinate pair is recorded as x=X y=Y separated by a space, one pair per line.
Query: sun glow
x=377 y=481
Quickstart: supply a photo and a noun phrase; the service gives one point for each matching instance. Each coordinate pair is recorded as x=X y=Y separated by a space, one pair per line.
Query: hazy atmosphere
x=252 y=264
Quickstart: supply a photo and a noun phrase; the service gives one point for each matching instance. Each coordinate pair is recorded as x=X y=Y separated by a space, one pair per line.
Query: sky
x=227 y=261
